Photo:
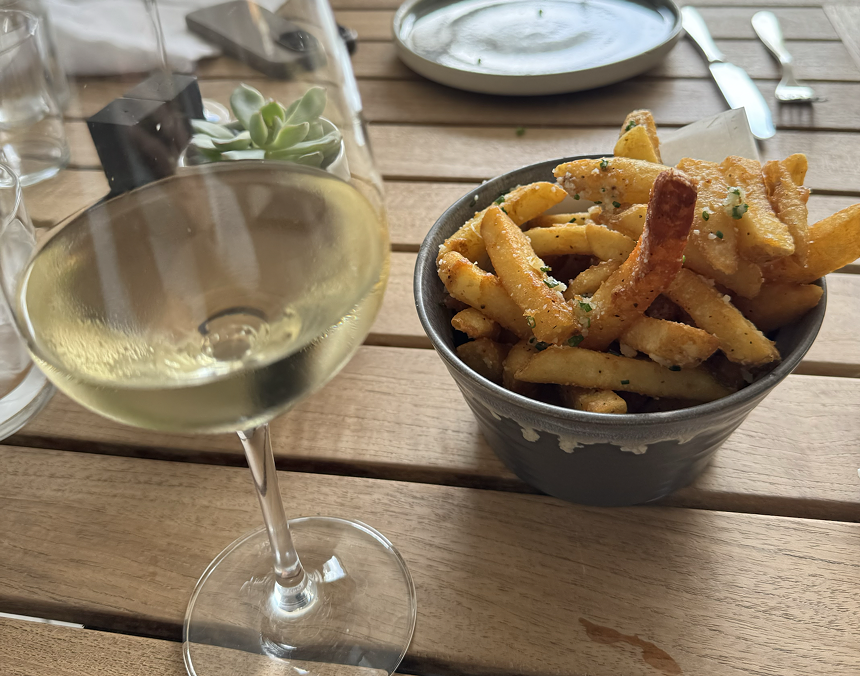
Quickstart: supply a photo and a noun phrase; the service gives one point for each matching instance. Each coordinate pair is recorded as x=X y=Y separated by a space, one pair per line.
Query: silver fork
x=789 y=90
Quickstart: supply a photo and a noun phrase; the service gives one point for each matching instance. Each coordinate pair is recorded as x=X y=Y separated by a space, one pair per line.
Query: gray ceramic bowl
x=590 y=458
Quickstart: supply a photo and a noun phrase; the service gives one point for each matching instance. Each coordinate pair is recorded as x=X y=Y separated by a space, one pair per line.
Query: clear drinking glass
x=219 y=296
x=24 y=390
x=32 y=138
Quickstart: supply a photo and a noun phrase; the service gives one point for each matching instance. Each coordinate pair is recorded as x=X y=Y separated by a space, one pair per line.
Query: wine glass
x=217 y=297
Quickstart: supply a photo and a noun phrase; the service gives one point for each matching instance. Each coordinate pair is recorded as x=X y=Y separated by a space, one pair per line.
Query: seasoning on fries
x=665 y=288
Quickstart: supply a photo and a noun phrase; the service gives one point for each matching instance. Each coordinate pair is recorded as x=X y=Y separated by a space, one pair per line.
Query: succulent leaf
x=245 y=101
x=289 y=135
x=250 y=154
x=258 y=129
x=210 y=129
x=309 y=107
x=240 y=142
x=273 y=111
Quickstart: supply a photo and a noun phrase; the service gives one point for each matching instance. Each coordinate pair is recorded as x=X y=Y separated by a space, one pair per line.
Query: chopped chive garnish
x=588 y=322
x=625 y=382
x=720 y=234
x=572 y=220
x=738 y=211
x=573 y=341
x=616 y=204
x=604 y=164
x=706 y=215
x=630 y=125
x=576 y=196
x=530 y=321
x=546 y=268
x=683 y=259
x=521 y=131
x=499 y=199
x=503 y=209
x=675 y=368
x=598 y=202
x=585 y=306
x=551 y=283
x=541 y=346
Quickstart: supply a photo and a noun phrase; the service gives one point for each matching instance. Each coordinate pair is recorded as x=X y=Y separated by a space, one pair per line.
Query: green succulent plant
x=264 y=129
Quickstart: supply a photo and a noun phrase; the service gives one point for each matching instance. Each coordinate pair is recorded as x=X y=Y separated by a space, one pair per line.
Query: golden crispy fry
x=636 y=145
x=670 y=343
x=546 y=220
x=598 y=370
x=746 y=281
x=779 y=303
x=469 y=284
x=475 y=324
x=797 y=166
x=522 y=204
x=516 y=359
x=519 y=270
x=762 y=237
x=589 y=281
x=741 y=341
x=789 y=204
x=713 y=231
x=833 y=242
x=486 y=357
x=612 y=180
x=652 y=266
x=630 y=222
x=643 y=118
x=590 y=239
x=594 y=401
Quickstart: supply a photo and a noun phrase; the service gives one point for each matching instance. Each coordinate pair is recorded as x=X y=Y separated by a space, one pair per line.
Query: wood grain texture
x=673 y=102
x=25 y=648
x=120 y=542
x=845 y=18
x=798 y=23
x=397 y=414
x=835 y=351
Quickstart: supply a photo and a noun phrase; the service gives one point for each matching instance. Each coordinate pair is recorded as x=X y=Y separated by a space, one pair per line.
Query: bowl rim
x=427 y=257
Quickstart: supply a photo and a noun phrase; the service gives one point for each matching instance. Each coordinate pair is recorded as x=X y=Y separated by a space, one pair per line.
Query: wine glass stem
x=289 y=573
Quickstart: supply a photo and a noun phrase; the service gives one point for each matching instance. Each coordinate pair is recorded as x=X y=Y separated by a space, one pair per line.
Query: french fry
x=779 y=303
x=636 y=145
x=833 y=242
x=797 y=166
x=483 y=291
x=762 y=237
x=643 y=118
x=589 y=281
x=486 y=357
x=602 y=371
x=516 y=359
x=670 y=343
x=739 y=339
x=652 y=266
x=713 y=231
x=546 y=220
x=609 y=181
x=789 y=204
x=746 y=280
x=521 y=273
x=630 y=222
x=521 y=204
x=475 y=324
x=590 y=239
x=594 y=401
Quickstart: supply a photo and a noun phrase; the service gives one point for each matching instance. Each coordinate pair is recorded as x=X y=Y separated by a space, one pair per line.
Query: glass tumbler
x=32 y=138
x=24 y=390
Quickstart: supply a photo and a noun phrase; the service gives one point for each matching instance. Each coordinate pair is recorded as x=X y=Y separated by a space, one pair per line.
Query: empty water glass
x=32 y=138
x=24 y=390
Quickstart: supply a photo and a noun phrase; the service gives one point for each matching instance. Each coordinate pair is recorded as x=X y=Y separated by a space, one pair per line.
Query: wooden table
x=754 y=569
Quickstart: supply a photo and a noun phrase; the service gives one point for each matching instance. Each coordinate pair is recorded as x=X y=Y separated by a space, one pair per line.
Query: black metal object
x=140 y=136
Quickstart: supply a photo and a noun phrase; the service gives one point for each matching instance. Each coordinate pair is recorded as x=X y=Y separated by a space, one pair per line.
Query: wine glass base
x=360 y=621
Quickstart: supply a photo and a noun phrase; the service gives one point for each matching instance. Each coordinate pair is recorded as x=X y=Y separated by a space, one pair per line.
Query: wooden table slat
x=123 y=540
x=370 y=421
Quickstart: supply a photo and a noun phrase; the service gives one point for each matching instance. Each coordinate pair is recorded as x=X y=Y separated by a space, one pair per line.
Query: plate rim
x=536 y=85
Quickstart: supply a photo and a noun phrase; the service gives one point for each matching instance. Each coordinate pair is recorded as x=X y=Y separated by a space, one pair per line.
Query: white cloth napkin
x=109 y=37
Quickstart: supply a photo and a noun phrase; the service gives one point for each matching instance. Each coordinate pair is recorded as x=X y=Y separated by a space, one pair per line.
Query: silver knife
x=734 y=83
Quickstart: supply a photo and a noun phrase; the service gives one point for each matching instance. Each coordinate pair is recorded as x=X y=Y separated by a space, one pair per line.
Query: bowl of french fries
x=610 y=321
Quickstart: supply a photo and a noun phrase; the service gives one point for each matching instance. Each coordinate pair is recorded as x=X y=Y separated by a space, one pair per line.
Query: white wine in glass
x=217 y=298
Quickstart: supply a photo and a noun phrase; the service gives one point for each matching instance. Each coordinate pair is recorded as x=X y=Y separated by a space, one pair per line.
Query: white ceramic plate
x=532 y=47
